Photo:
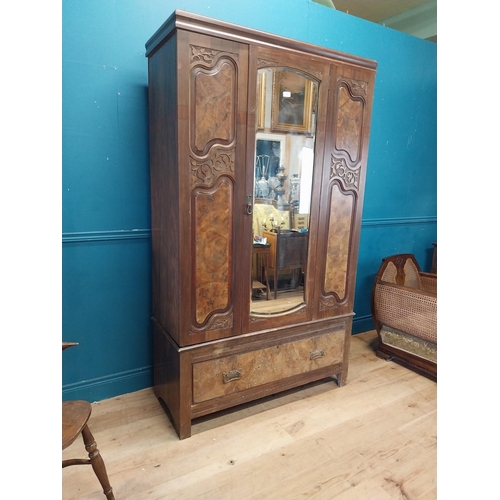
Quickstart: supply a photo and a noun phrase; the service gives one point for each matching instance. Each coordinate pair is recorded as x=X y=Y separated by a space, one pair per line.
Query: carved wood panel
x=349 y=122
x=213 y=98
x=213 y=106
x=348 y=133
x=344 y=184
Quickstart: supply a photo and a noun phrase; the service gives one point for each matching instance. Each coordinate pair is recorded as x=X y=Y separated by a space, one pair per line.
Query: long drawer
x=234 y=373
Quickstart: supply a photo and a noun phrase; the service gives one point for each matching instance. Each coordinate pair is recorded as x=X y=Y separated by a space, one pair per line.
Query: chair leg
x=97 y=462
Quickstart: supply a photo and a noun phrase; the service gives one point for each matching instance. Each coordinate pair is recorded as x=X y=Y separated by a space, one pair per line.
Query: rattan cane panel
x=429 y=283
x=412 y=276
x=411 y=312
x=390 y=273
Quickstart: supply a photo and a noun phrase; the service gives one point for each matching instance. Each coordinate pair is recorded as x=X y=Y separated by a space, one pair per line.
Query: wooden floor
x=373 y=439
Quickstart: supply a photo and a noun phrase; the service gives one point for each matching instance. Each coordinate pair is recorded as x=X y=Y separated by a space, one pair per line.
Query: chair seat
x=75 y=415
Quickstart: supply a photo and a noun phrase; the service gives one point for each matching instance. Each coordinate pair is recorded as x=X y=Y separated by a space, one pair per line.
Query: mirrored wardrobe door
x=286 y=187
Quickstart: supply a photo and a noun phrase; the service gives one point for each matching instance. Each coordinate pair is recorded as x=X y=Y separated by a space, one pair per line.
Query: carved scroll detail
x=266 y=62
x=220 y=322
x=318 y=74
x=347 y=175
x=326 y=303
x=203 y=54
x=330 y=302
x=205 y=172
x=357 y=87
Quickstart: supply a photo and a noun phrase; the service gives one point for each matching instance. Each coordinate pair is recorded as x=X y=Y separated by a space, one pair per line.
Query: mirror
x=284 y=161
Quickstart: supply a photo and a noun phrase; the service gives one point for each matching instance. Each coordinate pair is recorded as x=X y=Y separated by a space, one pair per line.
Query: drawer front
x=230 y=374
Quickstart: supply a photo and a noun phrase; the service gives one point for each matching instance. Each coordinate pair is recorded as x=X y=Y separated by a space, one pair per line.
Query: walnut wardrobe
x=251 y=133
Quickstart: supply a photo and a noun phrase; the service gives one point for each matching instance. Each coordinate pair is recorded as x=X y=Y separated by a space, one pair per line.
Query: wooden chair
x=404 y=309
x=75 y=415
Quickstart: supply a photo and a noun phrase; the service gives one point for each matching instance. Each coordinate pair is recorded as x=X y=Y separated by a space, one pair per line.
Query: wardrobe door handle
x=249 y=204
x=231 y=376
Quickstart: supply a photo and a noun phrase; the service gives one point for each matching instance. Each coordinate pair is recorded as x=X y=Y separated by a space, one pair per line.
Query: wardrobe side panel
x=163 y=133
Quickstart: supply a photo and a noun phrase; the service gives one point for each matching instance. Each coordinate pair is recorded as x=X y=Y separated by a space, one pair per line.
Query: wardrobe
x=251 y=133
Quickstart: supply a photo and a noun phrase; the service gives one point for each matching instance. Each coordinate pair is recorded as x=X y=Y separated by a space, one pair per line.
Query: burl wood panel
x=215 y=105
x=212 y=222
x=339 y=233
x=349 y=123
x=219 y=377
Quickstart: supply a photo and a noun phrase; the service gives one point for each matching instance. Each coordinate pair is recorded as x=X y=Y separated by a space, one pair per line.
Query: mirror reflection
x=284 y=160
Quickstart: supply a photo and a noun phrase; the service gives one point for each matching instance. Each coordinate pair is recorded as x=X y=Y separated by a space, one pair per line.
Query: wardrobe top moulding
x=200 y=24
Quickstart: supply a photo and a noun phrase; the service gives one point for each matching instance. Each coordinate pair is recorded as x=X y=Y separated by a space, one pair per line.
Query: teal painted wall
x=106 y=300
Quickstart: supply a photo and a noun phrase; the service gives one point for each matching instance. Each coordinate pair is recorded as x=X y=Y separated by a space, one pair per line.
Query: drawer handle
x=317 y=353
x=231 y=376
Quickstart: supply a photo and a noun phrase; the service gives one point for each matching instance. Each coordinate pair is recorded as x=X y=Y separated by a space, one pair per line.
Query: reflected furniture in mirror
x=267 y=215
x=251 y=132
x=260 y=281
x=288 y=252
x=404 y=308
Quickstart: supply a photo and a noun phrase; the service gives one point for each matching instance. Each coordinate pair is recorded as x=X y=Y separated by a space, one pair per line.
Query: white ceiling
x=415 y=17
